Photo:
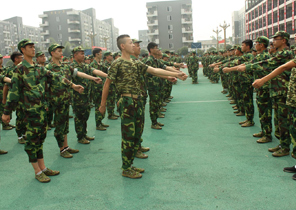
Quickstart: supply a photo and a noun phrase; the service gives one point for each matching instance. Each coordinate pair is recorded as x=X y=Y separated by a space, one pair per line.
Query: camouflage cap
x=39 y=53
x=91 y=57
x=53 y=47
x=263 y=40
x=164 y=55
x=116 y=54
x=1 y=56
x=136 y=41
x=77 y=49
x=239 y=48
x=282 y=34
x=86 y=57
x=65 y=58
x=107 y=53
x=23 y=43
x=71 y=56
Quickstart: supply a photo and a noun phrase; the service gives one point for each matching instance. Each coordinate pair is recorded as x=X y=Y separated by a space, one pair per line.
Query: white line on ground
x=190 y=102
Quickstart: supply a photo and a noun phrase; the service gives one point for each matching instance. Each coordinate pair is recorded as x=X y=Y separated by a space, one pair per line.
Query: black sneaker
x=290 y=170
x=294 y=177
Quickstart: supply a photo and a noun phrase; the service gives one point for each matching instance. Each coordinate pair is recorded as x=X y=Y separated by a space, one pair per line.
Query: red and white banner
x=285 y=15
x=266 y=18
x=293 y=24
x=222 y=41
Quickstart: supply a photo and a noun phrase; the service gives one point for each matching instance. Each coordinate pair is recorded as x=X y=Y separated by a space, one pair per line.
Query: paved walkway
x=202 y=159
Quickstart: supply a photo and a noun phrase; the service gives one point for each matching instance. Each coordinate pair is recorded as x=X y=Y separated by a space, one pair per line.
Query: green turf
x=202 y=159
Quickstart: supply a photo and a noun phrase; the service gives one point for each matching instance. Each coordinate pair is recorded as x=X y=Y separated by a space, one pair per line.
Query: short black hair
x=14 y=55
x=151 y=45
x=248 y=42
x=96 y=50
x=120 y=40
x=167 y=52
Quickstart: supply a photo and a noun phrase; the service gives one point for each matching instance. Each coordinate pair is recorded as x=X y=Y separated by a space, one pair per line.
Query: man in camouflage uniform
x=194 y=66
x=245 y=81
x=81 y=102
x=97 y=89
x=16 y=58
x=2 y=71
x=291 y=102
x=125 y=73
x=40 y=58
x=278 y=88
x=29 y=84
x=60 y=98
x=112 y=90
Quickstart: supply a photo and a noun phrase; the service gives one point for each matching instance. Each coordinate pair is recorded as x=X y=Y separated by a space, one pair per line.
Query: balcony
x=187 y=30
x=73 y=13
x=186 y=21
x=44 y=24
x=186 y=11
x=73 y=21
x=43 y=16
x=6 y=32
x=153 y=32
x=152 y=23
x=151 y=14
x=43 y=33
x=46 y=41
x=74 y=39
x=156 y=41
x=73 y=30
x=185 y=39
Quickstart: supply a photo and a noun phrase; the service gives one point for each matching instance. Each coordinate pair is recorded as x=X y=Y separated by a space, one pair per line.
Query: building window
x=59 y=27
x=169 y=18
x=59 y=36
x=169 y=9
x=170 y=27
x=171 y=46
x=170 y=36
x=58 y=19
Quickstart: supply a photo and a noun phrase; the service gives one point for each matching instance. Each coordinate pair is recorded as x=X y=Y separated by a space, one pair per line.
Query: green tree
x=144 y=51
x=67 y=49
x=211 y=49
x=52 y=41
x=183 y=51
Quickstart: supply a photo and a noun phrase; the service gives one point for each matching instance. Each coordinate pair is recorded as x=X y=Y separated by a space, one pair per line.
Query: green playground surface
x=201 y=159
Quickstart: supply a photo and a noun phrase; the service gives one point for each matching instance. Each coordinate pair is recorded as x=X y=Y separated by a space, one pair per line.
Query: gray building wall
x=78 y=28
x=143 y=36
x=238 y=26
x=12 y=31
x=170 y=23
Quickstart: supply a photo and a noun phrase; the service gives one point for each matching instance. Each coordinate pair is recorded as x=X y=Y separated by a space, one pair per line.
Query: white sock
x=44 y=169
x=40 y=172
x=20 y=137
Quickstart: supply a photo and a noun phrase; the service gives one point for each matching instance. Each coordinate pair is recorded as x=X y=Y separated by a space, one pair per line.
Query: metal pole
x=225 y=26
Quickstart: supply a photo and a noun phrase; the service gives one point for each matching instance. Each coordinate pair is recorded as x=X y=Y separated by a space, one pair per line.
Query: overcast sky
x=129 y=15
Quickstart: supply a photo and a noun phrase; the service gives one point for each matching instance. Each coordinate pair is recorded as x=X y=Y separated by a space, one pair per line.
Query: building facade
x=77 y=28
x=170 y=23
x=238 y=26
x=12 y=31
x=143 y=36
x=266 y=17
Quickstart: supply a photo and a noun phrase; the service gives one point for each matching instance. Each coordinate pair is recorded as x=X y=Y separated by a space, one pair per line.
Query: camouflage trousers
x=247 y=95
x=50 y=114
x=194 y=74
x=61 y=121
x=238 y=96
x=154 y=98
x=82 y=112
x=170 y=88
x=292 y=127
x=276 y=124
x=281 y=110
x=111 y=100
x=189 y=71
x=36 y=129
x=264 y=103
x=132 y=124
x=224 y=79
x=97 y=101
x=166 y=89
x=20 y=127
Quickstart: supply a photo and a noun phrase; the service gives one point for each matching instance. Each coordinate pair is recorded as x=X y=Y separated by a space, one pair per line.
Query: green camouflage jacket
x=193 y=62
x=127 y=76
x=153 y=82
x=279 y=84
x=29 y=86
x=60 y=93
